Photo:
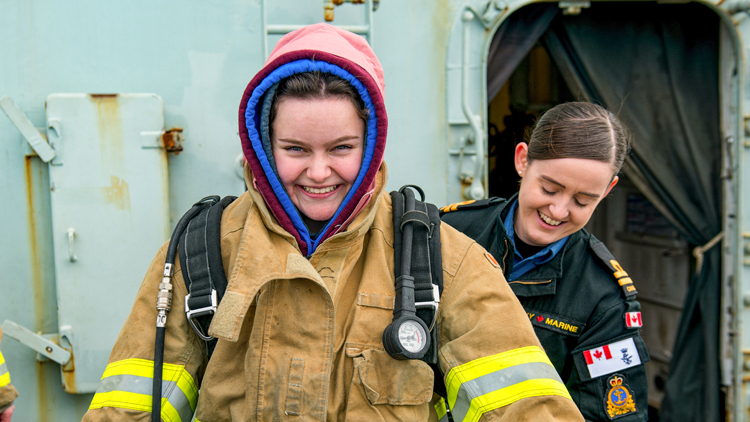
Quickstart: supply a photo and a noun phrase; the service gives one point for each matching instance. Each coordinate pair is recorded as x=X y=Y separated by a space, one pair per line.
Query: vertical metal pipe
x=370 y=26
x=476 y=190
x=264 y=26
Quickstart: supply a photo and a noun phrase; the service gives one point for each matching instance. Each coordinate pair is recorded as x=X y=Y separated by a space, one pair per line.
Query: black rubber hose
x=158 y=367
x=408 y=233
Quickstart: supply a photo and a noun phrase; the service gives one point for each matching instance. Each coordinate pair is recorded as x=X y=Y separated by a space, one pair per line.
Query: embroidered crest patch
x=619 y=399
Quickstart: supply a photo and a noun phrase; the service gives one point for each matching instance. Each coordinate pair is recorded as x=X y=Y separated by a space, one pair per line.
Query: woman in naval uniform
x=577 y=296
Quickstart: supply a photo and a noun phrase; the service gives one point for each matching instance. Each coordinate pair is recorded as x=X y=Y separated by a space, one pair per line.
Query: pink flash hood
x=325 y=48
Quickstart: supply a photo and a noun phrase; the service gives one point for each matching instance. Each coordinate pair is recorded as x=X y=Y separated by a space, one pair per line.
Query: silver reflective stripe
x=143 y=385
x=444 y=418
x=498 y=380
x=4 y=375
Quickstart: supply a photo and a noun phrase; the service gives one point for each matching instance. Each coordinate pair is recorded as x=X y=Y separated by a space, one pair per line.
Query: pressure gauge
x=406 y=338
x=412 y=336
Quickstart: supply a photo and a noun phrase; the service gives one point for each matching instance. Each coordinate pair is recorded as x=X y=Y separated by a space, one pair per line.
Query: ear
x=611 y=185
x=521 y=158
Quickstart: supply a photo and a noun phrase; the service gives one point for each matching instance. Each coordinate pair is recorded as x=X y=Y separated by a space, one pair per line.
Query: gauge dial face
x=412 y=336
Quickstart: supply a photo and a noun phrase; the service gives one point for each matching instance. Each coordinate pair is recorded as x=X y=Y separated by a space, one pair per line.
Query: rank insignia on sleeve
x=471 y=205
x=633 y=320
x=619 y=400
x=453 y=207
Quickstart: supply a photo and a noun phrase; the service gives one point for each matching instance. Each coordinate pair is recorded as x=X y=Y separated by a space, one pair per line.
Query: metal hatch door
x=110 y=203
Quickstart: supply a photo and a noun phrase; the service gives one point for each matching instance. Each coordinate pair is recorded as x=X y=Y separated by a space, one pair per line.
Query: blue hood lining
x=252 y=121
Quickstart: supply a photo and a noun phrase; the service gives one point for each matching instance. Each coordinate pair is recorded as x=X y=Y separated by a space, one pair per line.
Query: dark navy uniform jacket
x=582 y=306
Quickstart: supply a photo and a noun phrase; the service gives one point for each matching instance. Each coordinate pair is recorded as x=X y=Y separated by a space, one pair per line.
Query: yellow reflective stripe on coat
x=4 y=374
x=495 y=381
x=127 y=384
x=442 y=413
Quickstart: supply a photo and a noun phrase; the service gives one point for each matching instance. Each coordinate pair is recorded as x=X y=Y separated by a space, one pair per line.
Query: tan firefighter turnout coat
x=300 y=325
x=8 y=393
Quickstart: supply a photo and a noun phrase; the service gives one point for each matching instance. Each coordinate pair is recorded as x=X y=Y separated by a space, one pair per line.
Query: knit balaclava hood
x=326 y=49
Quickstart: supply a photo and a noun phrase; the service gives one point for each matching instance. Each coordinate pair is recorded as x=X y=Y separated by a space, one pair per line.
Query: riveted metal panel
x=110 y=207
x=738 y=240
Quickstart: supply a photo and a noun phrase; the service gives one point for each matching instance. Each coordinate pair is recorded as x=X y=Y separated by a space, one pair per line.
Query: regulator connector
x=164 y=297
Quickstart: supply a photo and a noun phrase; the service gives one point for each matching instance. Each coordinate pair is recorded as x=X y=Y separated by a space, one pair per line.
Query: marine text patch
x=555 y=323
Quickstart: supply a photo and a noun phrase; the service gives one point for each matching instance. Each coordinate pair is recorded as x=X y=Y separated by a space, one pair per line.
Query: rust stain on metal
x=328 y=13
x=172 y=140
x=69 y=375
x=118 y=193
x=41 y=396
x=110 y=131
x=36 y=282
x=36 y=275
x=38 y=261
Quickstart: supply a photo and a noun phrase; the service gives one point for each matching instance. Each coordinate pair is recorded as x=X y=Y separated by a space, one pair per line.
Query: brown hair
x=317 y=85
x=579 y=130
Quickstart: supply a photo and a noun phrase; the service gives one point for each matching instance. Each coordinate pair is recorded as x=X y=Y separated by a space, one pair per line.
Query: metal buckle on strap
x=192 y=314
x=434 y=304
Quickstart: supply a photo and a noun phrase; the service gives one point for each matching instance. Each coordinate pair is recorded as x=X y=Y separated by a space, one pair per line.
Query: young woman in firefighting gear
x=8 y=393
x=578 y=298
x=308 y=252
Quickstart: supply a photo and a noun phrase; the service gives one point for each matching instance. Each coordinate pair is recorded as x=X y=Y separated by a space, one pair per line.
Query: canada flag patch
x=612 y=357
x=633 y=320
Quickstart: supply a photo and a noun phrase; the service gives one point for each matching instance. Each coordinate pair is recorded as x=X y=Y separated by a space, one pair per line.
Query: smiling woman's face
x=558 y=196
x=317 y=146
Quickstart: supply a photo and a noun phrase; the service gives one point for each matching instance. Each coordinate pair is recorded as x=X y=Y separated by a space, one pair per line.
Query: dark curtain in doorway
x=656 y=67
x=513 y=41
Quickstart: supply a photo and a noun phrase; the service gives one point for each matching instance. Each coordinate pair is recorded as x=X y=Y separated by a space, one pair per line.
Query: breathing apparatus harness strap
x=202 y=267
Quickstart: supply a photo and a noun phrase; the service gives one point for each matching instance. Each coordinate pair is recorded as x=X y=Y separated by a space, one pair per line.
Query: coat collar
x=266 y=252
x=542 y=280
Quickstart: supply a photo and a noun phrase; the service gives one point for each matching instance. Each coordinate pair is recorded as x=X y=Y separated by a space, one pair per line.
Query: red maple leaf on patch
x=598 y=354
x=634 y=318
x=540 y=318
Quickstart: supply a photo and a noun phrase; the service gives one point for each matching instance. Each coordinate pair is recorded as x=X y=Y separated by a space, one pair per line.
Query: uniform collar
x=523 y=265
